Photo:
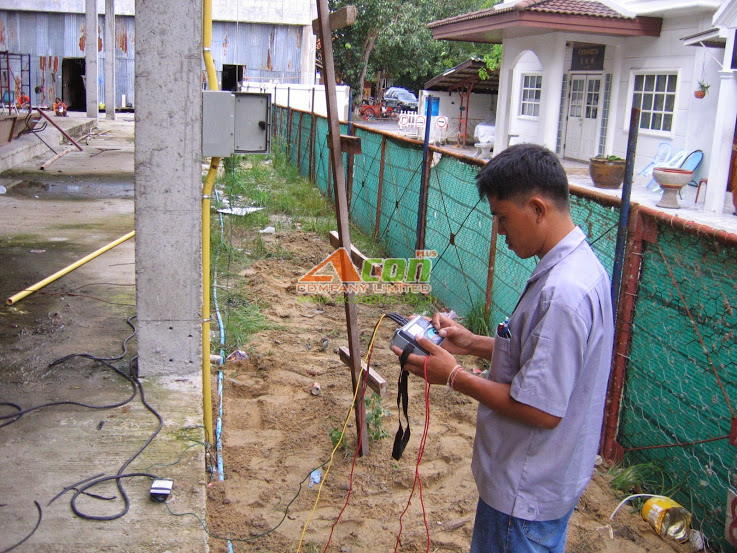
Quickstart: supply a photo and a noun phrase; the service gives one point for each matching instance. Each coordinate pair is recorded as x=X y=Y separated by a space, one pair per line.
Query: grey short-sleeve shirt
x=556 y=359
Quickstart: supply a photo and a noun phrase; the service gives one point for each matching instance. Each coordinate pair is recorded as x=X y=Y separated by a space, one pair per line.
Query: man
x=541 y=406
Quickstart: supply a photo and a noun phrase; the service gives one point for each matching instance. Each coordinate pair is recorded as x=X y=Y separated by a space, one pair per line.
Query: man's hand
x=439 y=363
x=458 y=339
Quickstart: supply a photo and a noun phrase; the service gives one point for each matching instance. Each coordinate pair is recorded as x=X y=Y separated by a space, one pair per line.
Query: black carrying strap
x=402 y=436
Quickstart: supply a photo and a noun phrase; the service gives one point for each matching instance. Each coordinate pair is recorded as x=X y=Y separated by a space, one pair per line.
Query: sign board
x=730 y=524
x=441 y=121
x=588 y=58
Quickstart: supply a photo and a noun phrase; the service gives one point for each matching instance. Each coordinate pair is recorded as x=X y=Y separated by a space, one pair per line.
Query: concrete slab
x=47 y=220
x=28 y=146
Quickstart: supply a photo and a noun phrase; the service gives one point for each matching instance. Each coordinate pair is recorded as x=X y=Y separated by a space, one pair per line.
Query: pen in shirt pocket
x=502 y=329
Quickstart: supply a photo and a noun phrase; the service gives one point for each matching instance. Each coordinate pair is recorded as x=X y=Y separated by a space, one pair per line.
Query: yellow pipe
x=40 y=284
x=206 y=191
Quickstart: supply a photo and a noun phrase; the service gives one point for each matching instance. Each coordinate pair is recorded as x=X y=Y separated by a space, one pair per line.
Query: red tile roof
x=589 y=8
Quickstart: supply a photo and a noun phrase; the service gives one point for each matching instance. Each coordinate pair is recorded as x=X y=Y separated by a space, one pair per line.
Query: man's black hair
x=521 y=170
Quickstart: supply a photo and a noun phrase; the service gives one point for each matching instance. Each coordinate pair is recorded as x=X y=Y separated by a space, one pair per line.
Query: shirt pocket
x=503 y=366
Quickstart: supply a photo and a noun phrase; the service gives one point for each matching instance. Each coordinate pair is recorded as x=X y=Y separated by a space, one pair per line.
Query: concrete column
x=721 y=146
x=307 y=58
x=110 y=59
x=168 y=191
x=503 y=102
x=90 y=57
x=552 y=62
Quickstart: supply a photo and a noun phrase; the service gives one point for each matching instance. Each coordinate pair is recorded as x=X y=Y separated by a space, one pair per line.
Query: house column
x=90 y=58
x=550 y=100
x=721 y=146
x=110 y=59
x=503 y=102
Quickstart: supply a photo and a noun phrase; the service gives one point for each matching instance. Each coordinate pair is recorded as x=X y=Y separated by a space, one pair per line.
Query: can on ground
x=668 y=518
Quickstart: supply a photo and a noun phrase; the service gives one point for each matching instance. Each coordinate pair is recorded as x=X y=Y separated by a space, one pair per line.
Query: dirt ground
x=276 y=432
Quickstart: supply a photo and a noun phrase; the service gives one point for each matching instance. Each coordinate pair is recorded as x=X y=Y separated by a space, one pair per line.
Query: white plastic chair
x=675 y=161
x=661 y=156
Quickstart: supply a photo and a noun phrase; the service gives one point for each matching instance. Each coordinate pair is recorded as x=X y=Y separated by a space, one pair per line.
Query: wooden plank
x=350 y=144
x=375 y=381
x=356 y=256
x=344 y=17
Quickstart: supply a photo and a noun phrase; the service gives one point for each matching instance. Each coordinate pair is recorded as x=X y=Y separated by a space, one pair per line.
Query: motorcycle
x=383 y=110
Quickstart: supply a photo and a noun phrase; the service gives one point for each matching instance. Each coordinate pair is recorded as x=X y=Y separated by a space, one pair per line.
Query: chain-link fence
x=675 y=364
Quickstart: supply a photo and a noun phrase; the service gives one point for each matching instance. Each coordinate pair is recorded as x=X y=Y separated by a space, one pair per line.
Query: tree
x=392 y=36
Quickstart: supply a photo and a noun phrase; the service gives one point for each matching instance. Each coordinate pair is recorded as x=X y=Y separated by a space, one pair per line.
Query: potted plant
x=702 y=90
x=607 y=171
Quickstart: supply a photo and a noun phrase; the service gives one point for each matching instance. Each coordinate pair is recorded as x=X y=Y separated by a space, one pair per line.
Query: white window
x=531 y=92
x=655 y=95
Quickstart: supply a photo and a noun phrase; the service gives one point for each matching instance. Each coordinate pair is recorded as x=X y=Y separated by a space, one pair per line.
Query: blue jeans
x=495 y=532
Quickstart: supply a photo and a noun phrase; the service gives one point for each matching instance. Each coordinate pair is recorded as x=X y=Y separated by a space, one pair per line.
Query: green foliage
x=336 y=436
x=493 y=61
x=642 y=478
x=391 y=36
x=477 y=321
x=375 y=415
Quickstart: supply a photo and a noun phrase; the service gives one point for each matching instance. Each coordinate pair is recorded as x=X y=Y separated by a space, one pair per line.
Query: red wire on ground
x=363 y=383
x=417 y=479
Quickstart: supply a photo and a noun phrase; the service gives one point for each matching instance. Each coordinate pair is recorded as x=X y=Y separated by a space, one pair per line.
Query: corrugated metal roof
x=588 y=8
x=464 y=74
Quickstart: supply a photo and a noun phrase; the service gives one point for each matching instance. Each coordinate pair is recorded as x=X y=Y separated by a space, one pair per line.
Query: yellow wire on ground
x=342 y=433
x=206 y=192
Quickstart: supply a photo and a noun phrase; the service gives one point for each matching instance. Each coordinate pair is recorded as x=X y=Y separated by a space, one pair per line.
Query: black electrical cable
x=262 y=534
x=38 y=523
x=95 y=358
x=104 y=360
x=16 y=416
x=397 y=318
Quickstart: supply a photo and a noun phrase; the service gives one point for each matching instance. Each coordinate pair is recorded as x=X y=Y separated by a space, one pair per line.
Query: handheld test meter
x=419 y=327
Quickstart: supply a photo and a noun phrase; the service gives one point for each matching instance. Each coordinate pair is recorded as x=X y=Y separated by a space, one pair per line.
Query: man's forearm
x=496 y=396
x=482 y=346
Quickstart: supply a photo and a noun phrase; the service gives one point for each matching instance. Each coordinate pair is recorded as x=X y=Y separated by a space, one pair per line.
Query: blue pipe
x=423 y=178
x=219 y=424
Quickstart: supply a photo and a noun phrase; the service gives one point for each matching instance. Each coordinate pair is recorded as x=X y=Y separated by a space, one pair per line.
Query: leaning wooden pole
x=341 y=209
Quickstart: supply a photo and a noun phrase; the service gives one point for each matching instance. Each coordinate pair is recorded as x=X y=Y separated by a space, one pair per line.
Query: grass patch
x=243 y=319
x=476 y=320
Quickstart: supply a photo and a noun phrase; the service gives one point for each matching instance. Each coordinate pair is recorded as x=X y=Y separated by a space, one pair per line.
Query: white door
x=584 y=117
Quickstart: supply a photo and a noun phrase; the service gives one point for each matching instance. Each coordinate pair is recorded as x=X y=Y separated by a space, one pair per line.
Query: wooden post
x=289 y=125
x=341 y=207
x=349 y=183
x=641 y=230
x=379 y=192
x=313 y=124
x=423 y=198
x=492 y=265
x=299 y=143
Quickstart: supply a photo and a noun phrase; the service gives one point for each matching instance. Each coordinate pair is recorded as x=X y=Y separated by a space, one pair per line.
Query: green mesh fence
x=683 y=346
x=458 y=227
x=671 y=394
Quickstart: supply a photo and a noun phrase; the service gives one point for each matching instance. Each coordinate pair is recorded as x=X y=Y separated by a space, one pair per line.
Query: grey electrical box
x=235 y=122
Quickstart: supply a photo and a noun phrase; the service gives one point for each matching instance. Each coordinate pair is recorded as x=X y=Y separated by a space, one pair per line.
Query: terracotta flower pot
x=699 y=93
x=606 y=173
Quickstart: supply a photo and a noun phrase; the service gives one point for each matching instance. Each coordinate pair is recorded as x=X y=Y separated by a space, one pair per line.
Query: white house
x=572 y=71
